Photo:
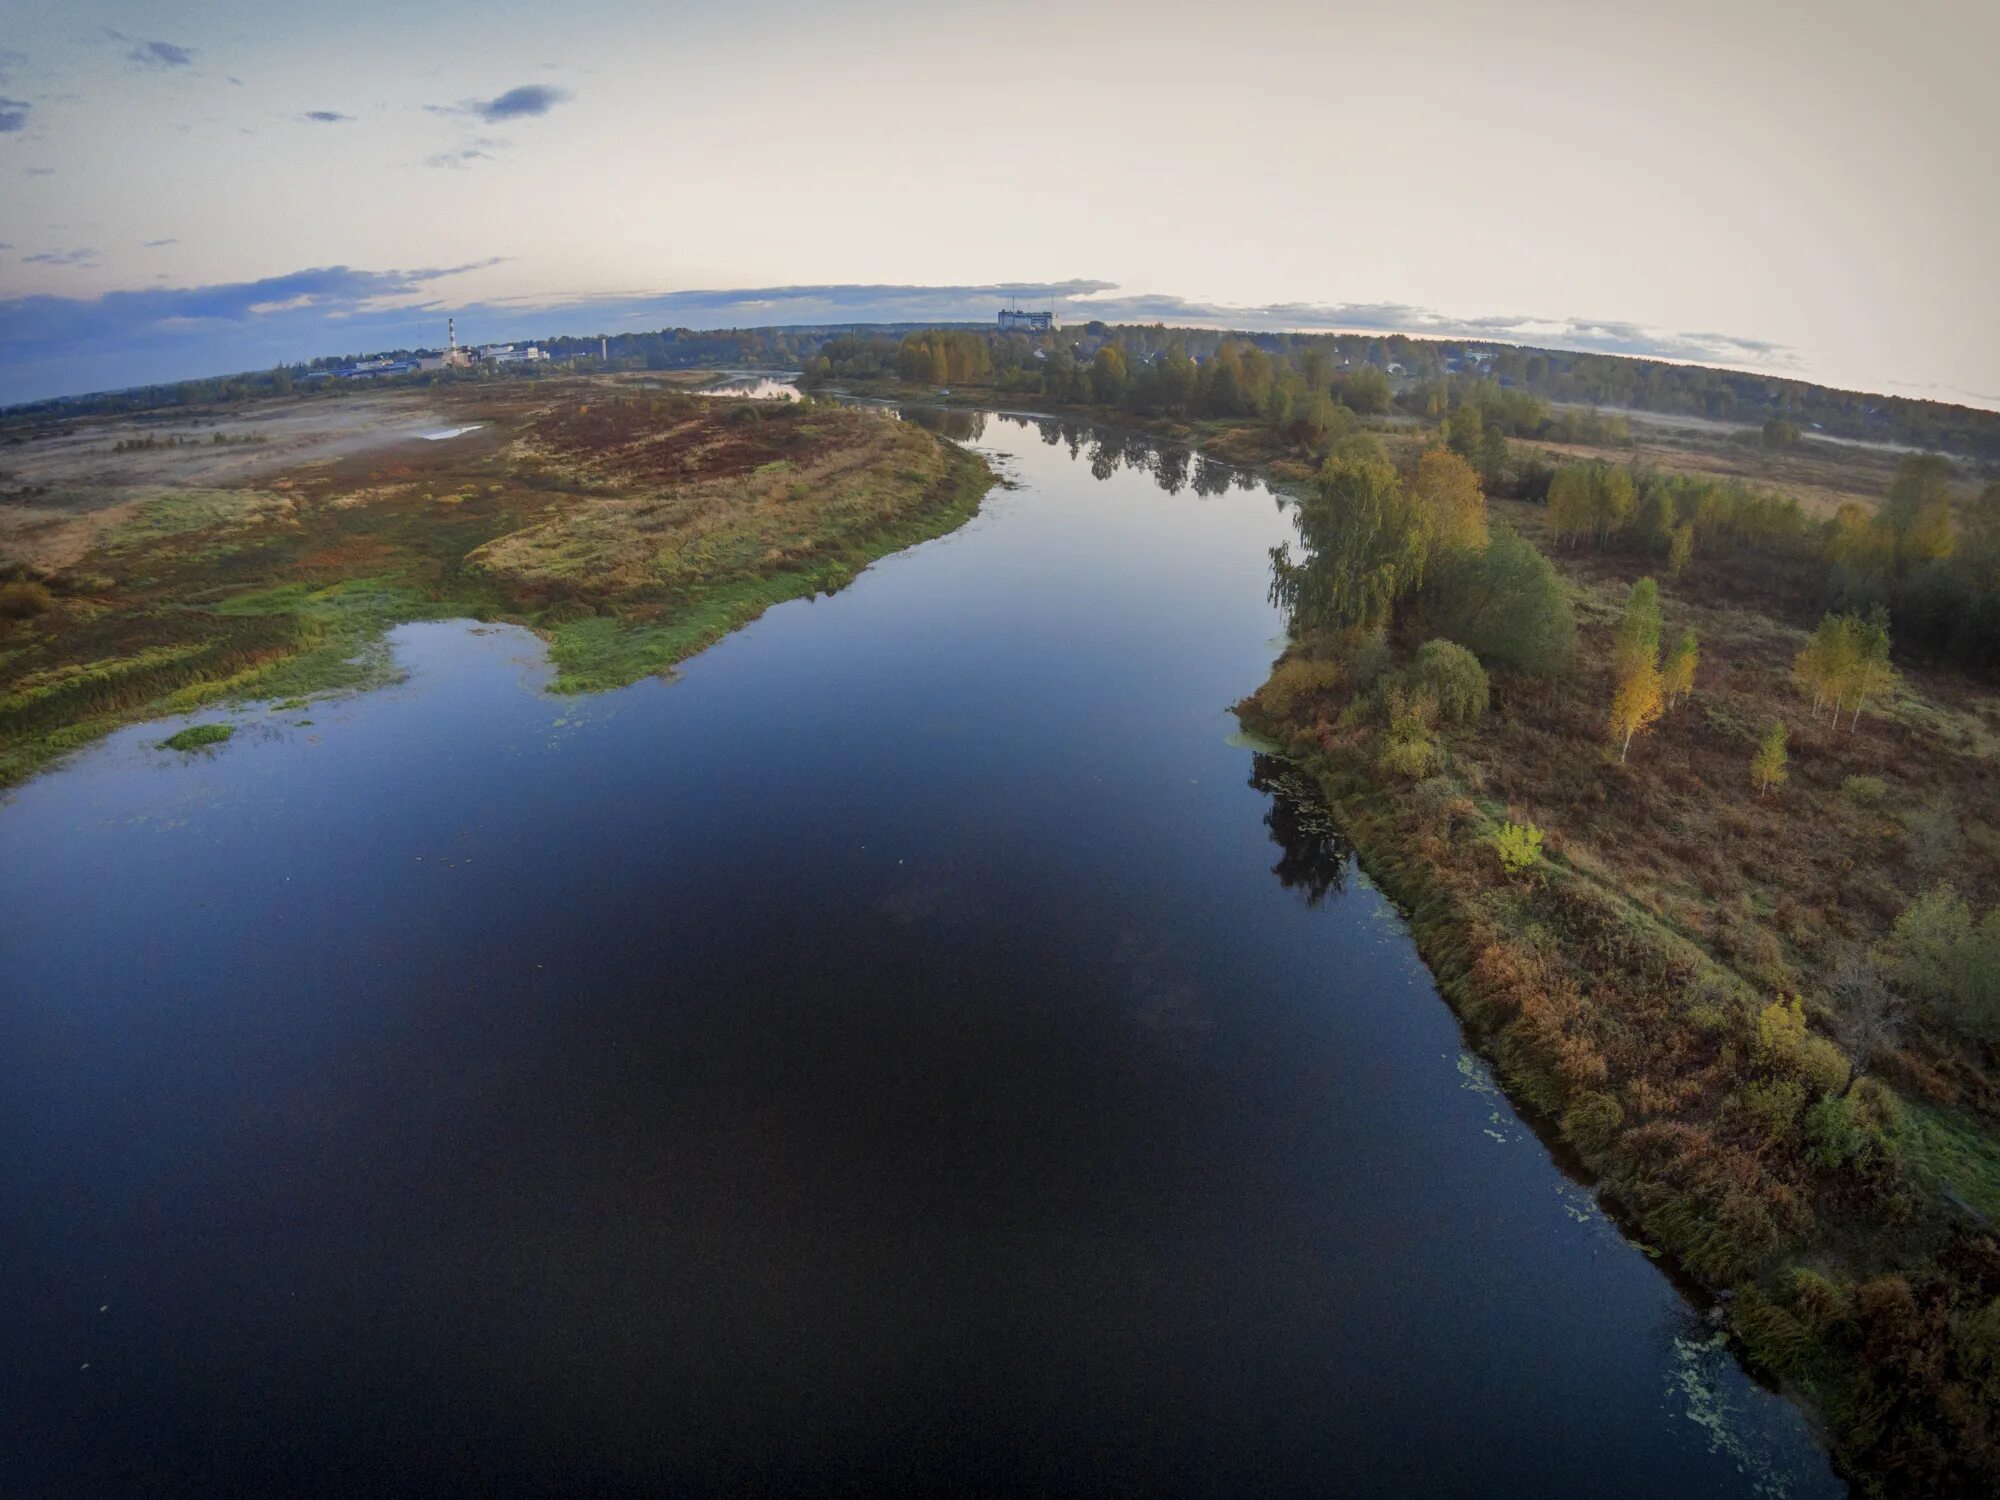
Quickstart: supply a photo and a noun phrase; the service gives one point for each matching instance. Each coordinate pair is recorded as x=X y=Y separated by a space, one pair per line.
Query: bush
x=1371 y=658
x=21 y=601
x=1774 y=1103
x=1293 y=679
x=1835 y=1137
x=1864 y=791
x=1408 y=748
x=1452 y=678
x=1519 y=846
x=1592 y=1122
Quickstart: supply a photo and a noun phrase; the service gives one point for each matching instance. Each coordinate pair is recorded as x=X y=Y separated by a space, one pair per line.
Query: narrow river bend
x=917 y=1049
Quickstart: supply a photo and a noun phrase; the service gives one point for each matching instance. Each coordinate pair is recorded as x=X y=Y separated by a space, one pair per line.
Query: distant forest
x=1606 y=381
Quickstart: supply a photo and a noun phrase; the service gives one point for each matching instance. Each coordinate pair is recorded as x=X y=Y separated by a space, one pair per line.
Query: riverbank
x=1639 y=989
x=630 y=529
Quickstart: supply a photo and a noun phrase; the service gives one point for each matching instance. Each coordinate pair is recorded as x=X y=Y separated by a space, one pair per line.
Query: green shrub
x=1774 y=1105
x=1519 y=846
x=1835 y=1137
x=21 y=601
x=1408 y=749
x=1452 y=678
x=1864 y=791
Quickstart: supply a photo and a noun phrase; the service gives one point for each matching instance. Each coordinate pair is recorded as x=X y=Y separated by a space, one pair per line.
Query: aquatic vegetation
x=198 y=737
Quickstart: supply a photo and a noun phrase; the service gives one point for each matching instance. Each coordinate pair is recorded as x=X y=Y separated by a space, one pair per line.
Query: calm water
x=915 y=1049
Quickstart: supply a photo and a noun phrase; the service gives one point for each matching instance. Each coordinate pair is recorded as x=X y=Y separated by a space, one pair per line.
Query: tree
x=1864 y=1014
x=1614 y=498
x=1465 y=432
x=1494 y=455
x=1445 y=487
x=1363 y=543
x=1506 y=604
x=1859 y=543
x=1778 y=433
x=1107 y=375
x=1918 y=509
x=1572 y=503
x=1636 y=704
x=1826 y=665
x=1680 y=547
x=1871 y=676
x=1638 y=634
x=1450 y=677
x=1366 y=390
x=1767 y=767
x=1678 y=674
x=1940 y=954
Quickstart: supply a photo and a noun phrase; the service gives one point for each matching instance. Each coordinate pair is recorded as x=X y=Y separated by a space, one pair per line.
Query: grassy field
x=630 y=527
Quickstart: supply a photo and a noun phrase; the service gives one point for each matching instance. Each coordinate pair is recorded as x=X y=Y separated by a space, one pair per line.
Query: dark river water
x=918 y=1049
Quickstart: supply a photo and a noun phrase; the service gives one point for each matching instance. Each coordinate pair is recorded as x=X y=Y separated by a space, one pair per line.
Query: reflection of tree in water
x=1210 y=477
x=1170 y=469
x=957 y=423
x=1314 y=852
x=1050 y=429
x=1246 y=479
x=1104 y=456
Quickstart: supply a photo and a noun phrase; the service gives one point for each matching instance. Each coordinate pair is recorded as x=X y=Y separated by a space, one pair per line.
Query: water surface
x=915 y=1049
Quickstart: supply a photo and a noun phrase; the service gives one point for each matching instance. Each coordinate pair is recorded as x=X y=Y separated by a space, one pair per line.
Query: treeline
x=1545 y=375
x=176 y=440
x=1782 y=411
x=1931 y=566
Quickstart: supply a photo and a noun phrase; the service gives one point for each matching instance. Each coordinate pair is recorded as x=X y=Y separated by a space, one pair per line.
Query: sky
x=1801 y=188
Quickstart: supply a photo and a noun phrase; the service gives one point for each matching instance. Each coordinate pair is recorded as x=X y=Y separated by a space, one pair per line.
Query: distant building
x=1016 y=320
x=507 y=354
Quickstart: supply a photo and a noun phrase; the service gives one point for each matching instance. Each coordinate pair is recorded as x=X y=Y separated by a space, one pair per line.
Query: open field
x=631 y=526
x=1821 y=475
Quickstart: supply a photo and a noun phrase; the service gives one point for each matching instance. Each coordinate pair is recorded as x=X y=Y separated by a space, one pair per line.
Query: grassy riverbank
x=1658 y=988
x=629 y=528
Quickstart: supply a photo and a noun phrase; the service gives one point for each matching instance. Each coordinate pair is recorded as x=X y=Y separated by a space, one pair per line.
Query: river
x=920 y=1047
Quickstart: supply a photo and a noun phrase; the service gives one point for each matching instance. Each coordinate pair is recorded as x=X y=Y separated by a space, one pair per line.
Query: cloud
x=528 y=100
x=1587 y=335
x=325 y=290
x=157 y=244
x=61 y=258
x=324 y=117
x=13 y=115
x=5 y=246
x=461 y=157
x=40 y=171
x=11 y=62
x=157 y=54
